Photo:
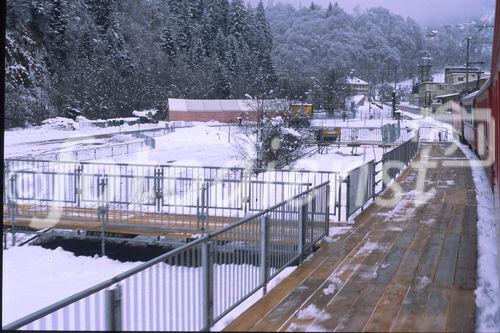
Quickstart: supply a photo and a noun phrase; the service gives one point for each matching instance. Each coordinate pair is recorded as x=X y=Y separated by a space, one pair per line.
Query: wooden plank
x=279 y=317
x=436 y=311
x=461 y=311
x=387 y=308
x=447 y=262
x=465 y=273
x=326 y=257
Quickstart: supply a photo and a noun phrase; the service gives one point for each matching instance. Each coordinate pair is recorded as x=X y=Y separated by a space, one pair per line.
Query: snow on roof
x=448 y=95
x=299 y=103
x=213 y=105
x=438 y=77
x=470 y=96
x=357 y=98
x=145 y=113
x=355 y=80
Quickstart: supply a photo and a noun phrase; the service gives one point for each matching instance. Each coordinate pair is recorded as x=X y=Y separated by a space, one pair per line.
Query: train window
x=468 y=116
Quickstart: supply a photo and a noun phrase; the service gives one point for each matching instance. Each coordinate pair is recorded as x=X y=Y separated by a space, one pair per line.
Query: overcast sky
x=423 y=11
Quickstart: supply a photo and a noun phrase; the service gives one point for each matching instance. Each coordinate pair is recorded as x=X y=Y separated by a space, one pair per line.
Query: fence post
x=102 y=210
x=348 y=194
x=202 y=208
x=264 y=252
x=113 y=309
x=207 y=282
x=302 y=229
x=338 y=201
x=327 y=211
x=78 y=184
x=374 y=181
x=311 y=221
x=383 y=172
x=203 y=204
x=159 y=187
x=12 y=207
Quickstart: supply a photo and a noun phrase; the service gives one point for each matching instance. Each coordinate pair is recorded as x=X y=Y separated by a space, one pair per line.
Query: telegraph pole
x=395 y=75
x=467 y=67
x=394 y=92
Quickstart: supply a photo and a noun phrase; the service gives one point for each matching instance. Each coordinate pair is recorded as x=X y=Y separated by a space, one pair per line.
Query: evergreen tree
x=237 y=19
x=85 y=48
x=184 y=26
x=222 y=15
x=265 y=78
x=167 y=42
x=263 y=29
x=57 y=31
x=334 y=90
x=102 y=12
x=329 y=10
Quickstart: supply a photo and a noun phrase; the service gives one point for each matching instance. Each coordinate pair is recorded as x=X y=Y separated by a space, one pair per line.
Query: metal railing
x=387 y=134
x=435 y=134
x=92 y=153
x=194 y=286
x=396 y=160
x=361 y=187
x=370 y=179
x=181 y=199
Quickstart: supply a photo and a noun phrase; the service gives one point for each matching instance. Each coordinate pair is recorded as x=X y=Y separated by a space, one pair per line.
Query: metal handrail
x=256 y=170
x=98 y=287
x=266 y=211
x=120 y=277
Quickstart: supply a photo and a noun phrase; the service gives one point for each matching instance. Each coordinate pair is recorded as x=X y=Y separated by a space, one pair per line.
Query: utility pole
x=467 y=67
x=395 y=75
x=394 y=92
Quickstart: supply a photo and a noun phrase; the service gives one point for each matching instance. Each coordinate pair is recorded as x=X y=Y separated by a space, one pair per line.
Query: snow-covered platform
x=406 y=265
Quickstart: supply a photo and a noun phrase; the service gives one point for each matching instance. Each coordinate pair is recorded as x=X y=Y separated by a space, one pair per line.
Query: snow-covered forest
x=311 y=40
x=106 y=58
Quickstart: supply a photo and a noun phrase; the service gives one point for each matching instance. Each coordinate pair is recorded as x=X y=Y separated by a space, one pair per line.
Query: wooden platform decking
x=122 y=222
x=407 y=267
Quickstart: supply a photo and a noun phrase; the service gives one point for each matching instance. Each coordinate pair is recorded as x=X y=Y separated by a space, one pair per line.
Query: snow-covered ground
x=339 y=159
x=23 y=294
x=488 y=279
x=200 y=145
x=34 y=277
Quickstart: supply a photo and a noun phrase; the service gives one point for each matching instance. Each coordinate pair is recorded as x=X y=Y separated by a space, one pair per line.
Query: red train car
x=484 y=130
x=477 y=123
x=495 y=102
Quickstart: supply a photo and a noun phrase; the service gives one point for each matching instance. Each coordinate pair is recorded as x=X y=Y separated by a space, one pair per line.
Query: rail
x=196 y=285
x=387 y=134
x=435 y=134
x=167 y=198
x=146 y=137
x=367 y=181
x=396 y=160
